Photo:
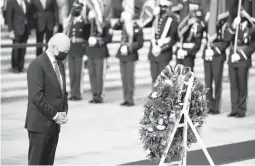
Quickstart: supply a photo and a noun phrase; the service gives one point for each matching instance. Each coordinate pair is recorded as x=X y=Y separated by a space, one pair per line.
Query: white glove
x=236 y=22
x=12 y=35
x=209 y=54
x=156 y=11
x=156 y=50
x=235 y=58
x=92 y=41
x=207 y=16
x=91 y=15
x=181 y=54
x=124 y=50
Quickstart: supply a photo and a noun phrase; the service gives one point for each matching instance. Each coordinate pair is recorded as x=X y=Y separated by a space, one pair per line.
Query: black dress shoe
x=210 y=111
x=71 y=98
x=124 y=103
x=240 y=115
x=98 y=101
x=77 y=98
x=92 y=101
x=215 y=112
x=129 y=104
x=232 y=114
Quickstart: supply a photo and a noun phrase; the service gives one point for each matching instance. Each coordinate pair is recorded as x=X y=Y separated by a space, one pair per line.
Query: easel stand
x=187 y=121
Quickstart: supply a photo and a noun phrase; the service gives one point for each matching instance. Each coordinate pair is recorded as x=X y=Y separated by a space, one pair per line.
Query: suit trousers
x=238 y=77
x=40 y=39
x=18 y=54
x=187 y=62
x=156 y=67
x=42 y=148
x=96 y=68
x=213 y=71
x=75 y=71
x=127 y=70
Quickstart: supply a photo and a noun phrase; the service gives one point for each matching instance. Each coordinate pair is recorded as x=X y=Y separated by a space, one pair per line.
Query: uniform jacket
x=192 y=36
x=219 y=45
x=45 y=97
x=245 y=45
x=166 y=49
x=135 y=46
x=79 y=35
x=100 y=50
x=45 y=18
x=17 y=20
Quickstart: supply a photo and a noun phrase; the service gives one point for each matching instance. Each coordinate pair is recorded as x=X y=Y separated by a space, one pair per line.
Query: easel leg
x=199 y=139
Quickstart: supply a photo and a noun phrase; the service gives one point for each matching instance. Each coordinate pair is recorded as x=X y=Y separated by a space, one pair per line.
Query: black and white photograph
x=127 y=82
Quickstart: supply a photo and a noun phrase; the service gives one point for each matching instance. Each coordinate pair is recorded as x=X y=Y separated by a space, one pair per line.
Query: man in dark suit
x=46 y=14
x=19 y=25
x=47 y=101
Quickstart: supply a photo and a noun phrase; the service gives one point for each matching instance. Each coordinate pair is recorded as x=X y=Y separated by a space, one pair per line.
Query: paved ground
x=107 y=134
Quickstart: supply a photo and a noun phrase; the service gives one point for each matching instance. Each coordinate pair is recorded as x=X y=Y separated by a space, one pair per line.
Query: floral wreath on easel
x=164 y=106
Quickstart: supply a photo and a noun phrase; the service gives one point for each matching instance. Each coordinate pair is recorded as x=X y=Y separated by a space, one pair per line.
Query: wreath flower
x=163 y=108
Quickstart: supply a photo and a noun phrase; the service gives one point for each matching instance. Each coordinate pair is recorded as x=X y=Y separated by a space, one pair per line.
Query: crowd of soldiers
x=178 y=29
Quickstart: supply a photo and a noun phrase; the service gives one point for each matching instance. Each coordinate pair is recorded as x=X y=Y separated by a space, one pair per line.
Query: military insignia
x=136 y=30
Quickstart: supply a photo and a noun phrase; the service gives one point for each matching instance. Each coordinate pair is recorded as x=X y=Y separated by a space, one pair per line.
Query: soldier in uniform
x=79 y=36
x=239 y=60
x=164 y=32
x=190 y=32
x=214 y=54
x=97 y=52
x=131 y=42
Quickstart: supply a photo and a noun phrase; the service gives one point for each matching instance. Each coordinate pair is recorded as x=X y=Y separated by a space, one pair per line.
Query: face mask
x=76 y=12
x=61 y=55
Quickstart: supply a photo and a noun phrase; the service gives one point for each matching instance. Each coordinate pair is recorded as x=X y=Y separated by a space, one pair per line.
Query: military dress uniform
x=79 y=36
x=127 y=62
x=238 y=71
x=166 y=22
x=213 y=67
x=191 y=34
x=96 y=57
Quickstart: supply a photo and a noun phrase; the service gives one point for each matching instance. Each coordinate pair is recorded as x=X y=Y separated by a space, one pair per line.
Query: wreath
x=163 y=108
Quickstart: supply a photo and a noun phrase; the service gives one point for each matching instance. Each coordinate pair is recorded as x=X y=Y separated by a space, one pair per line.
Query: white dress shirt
x=43 y=2
x=22 y=5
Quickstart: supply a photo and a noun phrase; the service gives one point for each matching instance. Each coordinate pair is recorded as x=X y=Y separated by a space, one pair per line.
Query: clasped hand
x=235 y=58
x=209 y=54
x=61 y=118
x=181 y=54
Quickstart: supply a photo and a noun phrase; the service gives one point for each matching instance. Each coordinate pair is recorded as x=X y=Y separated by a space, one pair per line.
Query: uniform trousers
x=156 y=67
x=18 y=54
x=42 y=148
x=213 y=71
x=75 y=71
x=96 y=69
x=238 y=76
x=188 y=61
x=127 y=70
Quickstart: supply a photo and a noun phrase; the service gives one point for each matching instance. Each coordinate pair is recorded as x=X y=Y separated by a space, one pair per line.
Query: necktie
x=57 y=70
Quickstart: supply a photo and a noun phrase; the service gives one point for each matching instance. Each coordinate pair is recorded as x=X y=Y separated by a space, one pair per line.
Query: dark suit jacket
x=17 y=19
x=45 y=18
x=45 y=97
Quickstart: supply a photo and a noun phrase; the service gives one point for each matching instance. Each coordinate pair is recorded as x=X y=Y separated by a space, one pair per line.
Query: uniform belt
x=186 y=45
x=77 y=40
x=240 y=47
